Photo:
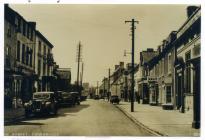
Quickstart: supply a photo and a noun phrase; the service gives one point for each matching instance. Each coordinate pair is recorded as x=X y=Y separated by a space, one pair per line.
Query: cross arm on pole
x=135 y=21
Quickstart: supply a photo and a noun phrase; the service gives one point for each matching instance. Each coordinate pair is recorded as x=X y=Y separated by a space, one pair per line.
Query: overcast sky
x=102 y=32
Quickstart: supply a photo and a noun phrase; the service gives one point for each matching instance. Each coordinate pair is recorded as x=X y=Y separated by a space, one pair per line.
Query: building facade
x=19 y=57
x=161 y=69
x=177 y=68
x=187 y=65
x=44 y=63
x=116 y=80
x=143 y=72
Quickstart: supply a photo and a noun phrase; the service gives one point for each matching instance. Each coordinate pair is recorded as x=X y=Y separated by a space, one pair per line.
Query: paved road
x=91 y=118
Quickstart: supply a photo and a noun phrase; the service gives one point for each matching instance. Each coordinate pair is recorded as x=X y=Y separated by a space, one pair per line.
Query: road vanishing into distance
x=90 y=118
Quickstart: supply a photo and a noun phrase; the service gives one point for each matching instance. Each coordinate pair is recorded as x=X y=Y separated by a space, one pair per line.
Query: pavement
x=160 y=122
x=90 y=118
x=11 y=115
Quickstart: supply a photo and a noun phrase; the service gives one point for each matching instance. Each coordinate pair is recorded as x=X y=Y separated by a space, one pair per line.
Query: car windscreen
x=41 y=96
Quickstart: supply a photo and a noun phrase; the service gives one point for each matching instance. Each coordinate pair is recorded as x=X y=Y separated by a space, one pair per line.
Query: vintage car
x=114 y=99
x=42 y=102
x=67 y=99
x=96 y=97
x=76 y=97
x=58 y=96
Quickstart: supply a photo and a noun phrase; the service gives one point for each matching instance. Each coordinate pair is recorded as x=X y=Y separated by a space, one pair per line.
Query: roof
x=10 y=15
x=147 y=56
x=44 y=38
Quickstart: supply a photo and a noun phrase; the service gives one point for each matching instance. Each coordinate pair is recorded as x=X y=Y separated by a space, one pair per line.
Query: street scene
x=102 y=70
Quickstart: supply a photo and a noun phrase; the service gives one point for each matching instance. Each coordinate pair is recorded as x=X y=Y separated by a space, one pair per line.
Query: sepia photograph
x=102 y=70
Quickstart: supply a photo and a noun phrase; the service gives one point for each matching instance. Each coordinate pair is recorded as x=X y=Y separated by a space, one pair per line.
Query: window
x=162 y=66
x=9 y=31
x=31 y=34
x=31 y=57
x=39 y=66
x=44 y=49
x=27 y=55
x=24 y=28
x=39 y=49
x=28 y=32
x=169 y=63
x=44 y=68
x=188 y=72
x=168 y=94
x=18 y=51
x=48 y=70
x=23 y=54
x=7 y=51
x=19 y=25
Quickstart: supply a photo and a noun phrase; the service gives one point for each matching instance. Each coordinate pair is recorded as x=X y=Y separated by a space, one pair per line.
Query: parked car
x=67 y=99
x=59 y=98
x=96 y=97
x=114 y=99
x=42 y=102
x=76 y=97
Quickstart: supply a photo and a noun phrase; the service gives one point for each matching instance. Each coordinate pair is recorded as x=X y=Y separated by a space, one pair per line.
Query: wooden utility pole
x=133 y=51
x=81 y=76
x=78 y=61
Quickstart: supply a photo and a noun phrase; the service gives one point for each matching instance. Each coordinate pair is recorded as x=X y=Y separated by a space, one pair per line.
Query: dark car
x=96 y=97
x=76 y=97
x=59 y=98
x=114 y=99
x=41 y=103
x=67 y=99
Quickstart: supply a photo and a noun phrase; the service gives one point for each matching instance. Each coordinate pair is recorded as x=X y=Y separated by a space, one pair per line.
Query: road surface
x=91 y=118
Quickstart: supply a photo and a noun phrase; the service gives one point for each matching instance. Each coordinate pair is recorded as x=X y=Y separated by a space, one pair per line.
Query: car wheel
x=54 y=110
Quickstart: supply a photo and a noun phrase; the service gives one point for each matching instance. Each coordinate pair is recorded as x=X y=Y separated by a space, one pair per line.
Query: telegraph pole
x=133 y=51
x=78 y=61
x=81 y=78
